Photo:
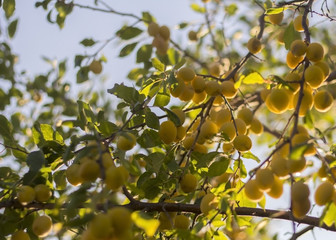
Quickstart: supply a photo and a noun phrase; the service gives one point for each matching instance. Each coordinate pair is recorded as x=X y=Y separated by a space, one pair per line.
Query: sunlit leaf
x=145 y=222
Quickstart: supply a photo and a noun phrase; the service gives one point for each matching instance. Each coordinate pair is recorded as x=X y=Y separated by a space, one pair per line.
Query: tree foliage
x=253 y=82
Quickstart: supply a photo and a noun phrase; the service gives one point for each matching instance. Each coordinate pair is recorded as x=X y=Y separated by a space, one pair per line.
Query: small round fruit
x=199 y=97
x=246 y=114
x=256 y=126
x=100 y=226
x=300 y=209
x=192 y=35
x=281 y=36
x=89 y=171
x=324 y=193
x=186 y=74
x=264 y=93
x=181 y=132
x=96 y=67
x=222 y=116
x=161 y=45
x=208 y=129
x=153 y=29
x=181 y=222
x=324 y=66
x=241 y=126
x=168 y=132
x=252 y=191
x=276 y=18
x=254 y=45
x=107 y=160
x=314 y=76
x=242 y=143
x=279 y=165
x=228 y=89
x=26 y=194
x=164 y=32
x=120 y=218
x=298 y=23
x=188 y=183
x=177 y=88
x=208 y=203
x=301 y=139
x=215 y=69
x=166 y=220
x=315 y=52
x=265 y=179
x=198 y=84
x=42 y=193
x=293 y=61
x=293 y=76
x=114 y=178
x=126 y=141
x=228 y=148
x=299 y=192
x=278 y=100
x=323 y=101
x=20 y=235
x=276 y=189
x=213 y=88
x=42 y=225
x=72 y=175
x=187 y=93
x=228 y=131
x=298 y=48
x=296 y=165
x=306 y=103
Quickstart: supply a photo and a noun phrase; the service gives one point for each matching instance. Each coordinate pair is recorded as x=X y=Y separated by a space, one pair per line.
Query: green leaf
x=9 y=7
x=298 y=151
x=85 y=112
x=128 y=94
x=329 y=215
x=231 y=9
x=107 y=128
x=60 y=180
x=12 y=28
x=147 y=17
x=249 y=155
x=88 y=42
x=145 y=222
x=158 y=64
x=155 y=160
x=144 y=53
x=253 y=78
x=6 y=129
x=219 y=167
x=173 y=117
x=197 y=8
x=127 y=49
x=83 y=74
x=127 y=33
x=152 y=120
x=78 y=60
x=43 y=133
x=272 y=11
x=149 y=138
x=152 y=187
x=35 y=161
x=290 y=35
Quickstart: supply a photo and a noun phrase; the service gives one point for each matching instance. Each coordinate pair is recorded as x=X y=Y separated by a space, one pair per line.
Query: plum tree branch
x=136 y=205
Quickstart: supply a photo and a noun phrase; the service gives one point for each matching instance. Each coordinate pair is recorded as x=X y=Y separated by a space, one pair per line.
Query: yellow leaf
x=148 y=224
